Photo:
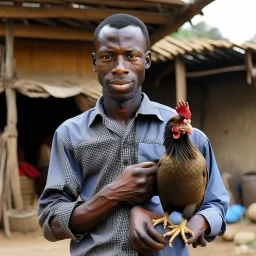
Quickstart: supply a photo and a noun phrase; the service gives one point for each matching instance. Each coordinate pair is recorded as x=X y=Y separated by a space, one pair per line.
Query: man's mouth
x=120 y=84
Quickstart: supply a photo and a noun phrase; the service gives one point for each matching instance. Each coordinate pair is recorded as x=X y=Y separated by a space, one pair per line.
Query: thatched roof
x=77 y=19
x=169 y=48
x=202 y=53
x=199 y=50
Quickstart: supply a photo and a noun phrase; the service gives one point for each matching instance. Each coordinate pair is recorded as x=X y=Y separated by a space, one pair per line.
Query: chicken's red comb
x=183 y=109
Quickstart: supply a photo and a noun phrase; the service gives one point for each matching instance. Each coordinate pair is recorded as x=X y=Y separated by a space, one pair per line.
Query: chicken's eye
x=175 y=121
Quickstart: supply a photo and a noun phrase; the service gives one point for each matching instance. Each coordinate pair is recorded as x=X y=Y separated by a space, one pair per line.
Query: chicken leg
x=179 y=229
x=165 y=220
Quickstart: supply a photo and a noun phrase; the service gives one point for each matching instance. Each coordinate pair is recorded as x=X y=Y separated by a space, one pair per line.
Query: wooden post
x=180 y=74
x=12 y=161
x=249 y=67
x=3 y=154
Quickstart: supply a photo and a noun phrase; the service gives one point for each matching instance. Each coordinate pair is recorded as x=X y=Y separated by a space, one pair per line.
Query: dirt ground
x=33 y=244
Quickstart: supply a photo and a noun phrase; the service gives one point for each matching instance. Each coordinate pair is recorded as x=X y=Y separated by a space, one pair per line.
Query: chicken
x=182 y=174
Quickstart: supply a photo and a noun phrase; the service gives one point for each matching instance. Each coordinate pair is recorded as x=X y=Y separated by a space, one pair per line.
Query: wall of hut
x=53 y=58
x=230 y=121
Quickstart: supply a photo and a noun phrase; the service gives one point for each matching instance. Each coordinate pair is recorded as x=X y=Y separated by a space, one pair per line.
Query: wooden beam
x=3 y=155
x=37 y=1
x=112 y=3
x=171 y=2
x=215 y=71
x=12 y=159
x=249 y=67
x=180 y=75
x=9 y=42
x=2 y=62
x=179 y=19
x=131 y=3
x=92 y=14
x=49 y=33
x=47 y=22
x=72 y=23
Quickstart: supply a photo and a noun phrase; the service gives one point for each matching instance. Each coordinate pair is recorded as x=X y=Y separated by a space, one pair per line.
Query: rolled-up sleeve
x=62 y=189
x=216 y=199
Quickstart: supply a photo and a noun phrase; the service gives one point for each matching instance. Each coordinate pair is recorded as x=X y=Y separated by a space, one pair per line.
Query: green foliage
x=200 y=30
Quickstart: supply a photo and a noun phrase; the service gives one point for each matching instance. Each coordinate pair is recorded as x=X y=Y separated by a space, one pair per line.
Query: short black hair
x=122 y=20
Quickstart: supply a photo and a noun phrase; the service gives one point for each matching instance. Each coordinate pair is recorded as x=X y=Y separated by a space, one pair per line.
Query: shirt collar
x=146 y=108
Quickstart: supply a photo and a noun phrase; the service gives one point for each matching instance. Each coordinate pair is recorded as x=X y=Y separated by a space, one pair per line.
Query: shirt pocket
x=150 y=152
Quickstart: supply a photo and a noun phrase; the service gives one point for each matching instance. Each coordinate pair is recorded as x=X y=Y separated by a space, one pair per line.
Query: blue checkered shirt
x=89 y=151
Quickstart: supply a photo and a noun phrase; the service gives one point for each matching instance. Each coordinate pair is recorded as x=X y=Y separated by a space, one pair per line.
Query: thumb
x=146 y=164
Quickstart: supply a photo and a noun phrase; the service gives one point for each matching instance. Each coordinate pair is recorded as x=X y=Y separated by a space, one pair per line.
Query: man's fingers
x=192 y=240
x=202 y=241
x=146 y=164
x=195 y=244
x=151 y=245
x=137 y=244
x=144 y=171
x=155 y=235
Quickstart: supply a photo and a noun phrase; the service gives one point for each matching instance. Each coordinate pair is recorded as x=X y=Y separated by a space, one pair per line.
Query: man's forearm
x=88 y=215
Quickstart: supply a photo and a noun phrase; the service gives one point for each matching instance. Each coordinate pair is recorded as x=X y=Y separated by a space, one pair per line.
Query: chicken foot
x=179 y=229
x=165 y=220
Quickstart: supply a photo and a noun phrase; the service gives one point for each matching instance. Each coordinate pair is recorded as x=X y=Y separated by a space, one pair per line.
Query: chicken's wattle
x=176 y=133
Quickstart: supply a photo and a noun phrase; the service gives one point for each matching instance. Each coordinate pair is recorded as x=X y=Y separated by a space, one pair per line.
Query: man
x=107 y=157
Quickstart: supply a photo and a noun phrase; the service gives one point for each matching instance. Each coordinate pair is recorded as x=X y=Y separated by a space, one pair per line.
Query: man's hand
x=198 y=224
x=142 y=235
x=137 y=183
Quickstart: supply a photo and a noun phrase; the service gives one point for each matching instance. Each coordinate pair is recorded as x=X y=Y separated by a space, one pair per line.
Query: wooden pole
x=3 y=154
x=249 y=67
x=180 y=74
x=12 y=161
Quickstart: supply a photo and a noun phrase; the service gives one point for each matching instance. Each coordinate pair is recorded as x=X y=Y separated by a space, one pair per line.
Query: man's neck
x=121 y=112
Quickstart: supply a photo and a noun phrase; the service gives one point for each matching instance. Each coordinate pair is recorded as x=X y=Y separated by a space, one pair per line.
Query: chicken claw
x=165 y=220
x=179 y=229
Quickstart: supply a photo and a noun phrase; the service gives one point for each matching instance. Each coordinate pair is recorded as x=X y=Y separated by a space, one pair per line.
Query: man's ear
x=94 y=62
x=148 y=59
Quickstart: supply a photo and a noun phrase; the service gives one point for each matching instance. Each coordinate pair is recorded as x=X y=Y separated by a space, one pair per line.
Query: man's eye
x=131 y=56
x=108 y=57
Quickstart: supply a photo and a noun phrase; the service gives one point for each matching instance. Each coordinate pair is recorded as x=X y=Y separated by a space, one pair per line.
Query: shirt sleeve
x=216 y=199
x=62 y=189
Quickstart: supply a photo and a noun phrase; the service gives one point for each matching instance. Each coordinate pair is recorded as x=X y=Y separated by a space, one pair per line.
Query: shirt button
x=125 y=145
x=125 y=162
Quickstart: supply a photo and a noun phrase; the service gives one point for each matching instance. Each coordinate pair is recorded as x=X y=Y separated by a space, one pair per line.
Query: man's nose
x=120 y=68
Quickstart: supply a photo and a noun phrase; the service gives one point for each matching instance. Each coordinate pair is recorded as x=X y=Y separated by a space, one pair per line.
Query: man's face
x=120 y=61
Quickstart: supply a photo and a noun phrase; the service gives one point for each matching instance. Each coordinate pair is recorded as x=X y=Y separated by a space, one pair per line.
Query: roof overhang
x=77 y=20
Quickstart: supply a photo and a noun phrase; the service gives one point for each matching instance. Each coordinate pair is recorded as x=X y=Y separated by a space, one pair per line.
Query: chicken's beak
x=186 y=128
